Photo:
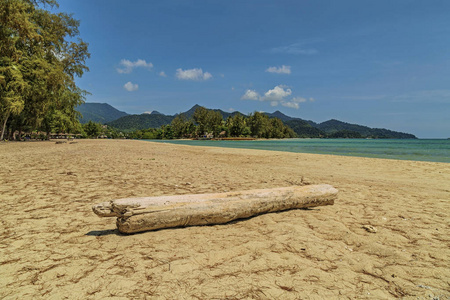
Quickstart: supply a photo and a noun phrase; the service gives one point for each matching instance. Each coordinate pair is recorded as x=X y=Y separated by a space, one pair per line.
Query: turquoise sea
x=420 y=150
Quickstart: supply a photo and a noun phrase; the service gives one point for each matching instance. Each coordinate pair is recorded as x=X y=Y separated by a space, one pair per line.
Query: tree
x=92 y=129
x=182 y=127
x=207 y=121
x=150 y=134
x=12 y=87
x=237 y=125
x=259 y=125
x=215 y=121
x=201 y=118
x=276 y=128
x=38 y=64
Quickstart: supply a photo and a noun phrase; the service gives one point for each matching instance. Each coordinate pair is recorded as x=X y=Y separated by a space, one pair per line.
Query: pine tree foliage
x=40 y=56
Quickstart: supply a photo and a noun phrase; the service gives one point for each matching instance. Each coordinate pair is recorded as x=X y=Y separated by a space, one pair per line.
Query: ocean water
x=434 y=150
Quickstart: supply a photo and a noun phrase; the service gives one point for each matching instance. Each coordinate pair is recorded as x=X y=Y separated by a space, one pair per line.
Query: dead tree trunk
x=150 y=213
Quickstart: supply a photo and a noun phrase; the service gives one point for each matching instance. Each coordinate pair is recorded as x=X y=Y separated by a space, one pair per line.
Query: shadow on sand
x=117 y=232
x=104 y=232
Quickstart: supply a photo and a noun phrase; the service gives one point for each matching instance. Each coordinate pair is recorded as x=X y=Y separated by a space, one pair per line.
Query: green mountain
x=154 y=120
x=99 y=112
x=333 y=127
x=137 y=122
x=190 y=113
x=278 y=114
x=303 y=128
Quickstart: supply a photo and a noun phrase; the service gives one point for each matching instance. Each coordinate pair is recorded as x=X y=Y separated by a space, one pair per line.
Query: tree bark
x=4 y=127
x=151 y=213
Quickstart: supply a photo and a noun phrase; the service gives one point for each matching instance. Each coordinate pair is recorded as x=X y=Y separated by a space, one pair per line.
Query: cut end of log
x=104 y=209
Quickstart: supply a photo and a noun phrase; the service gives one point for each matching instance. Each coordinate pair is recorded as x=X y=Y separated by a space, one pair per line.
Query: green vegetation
x=38 y=63
x=238 y=125
x=97 y=130
x=332 y=127
x=131 y=123
x=304 y=130
x=346 y=134
x=182 y=127
x=139 y=122
x=92 y=129
x=207 y=123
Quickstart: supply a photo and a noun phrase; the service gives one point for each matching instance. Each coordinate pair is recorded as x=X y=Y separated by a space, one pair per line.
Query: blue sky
x=383 y=64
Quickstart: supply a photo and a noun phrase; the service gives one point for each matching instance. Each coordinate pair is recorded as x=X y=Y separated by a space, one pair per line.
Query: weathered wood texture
x=150 y=213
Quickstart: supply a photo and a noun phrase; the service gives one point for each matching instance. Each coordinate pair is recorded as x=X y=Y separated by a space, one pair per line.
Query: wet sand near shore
x=387 y=235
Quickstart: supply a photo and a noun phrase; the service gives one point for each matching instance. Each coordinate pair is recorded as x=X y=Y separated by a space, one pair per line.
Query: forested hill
x=143 y=121
x=190 y=113
x=155 y=119
x=303 y=128
x=278 y=114
x=99 y=112
x=335 y=126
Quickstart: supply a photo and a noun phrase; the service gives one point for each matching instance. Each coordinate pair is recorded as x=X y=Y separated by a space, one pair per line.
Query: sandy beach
x=52 y=246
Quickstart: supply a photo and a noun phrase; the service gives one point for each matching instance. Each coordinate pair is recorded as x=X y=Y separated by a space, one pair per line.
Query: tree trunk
x=4 y=127
x=150 y=213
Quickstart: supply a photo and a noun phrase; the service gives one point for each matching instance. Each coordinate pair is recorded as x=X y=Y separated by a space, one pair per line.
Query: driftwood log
x=150 y=213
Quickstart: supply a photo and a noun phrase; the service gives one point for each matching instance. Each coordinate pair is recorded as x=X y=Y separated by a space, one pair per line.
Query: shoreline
x=53 y=245
x=339 y=147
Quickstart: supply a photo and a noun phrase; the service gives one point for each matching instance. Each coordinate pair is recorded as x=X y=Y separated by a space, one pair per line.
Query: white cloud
x=250 y=95
x=131 y=87
x=299 y=99
x=192 y=74
x=299 y=48
x=162 y=74
x=276 y=94
x=207 y=76
x=127 y=66
x=291 y=104
x=280 y=70
x=295 y=102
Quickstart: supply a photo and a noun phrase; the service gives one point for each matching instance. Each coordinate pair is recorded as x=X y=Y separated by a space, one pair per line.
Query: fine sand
x=52 y=246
